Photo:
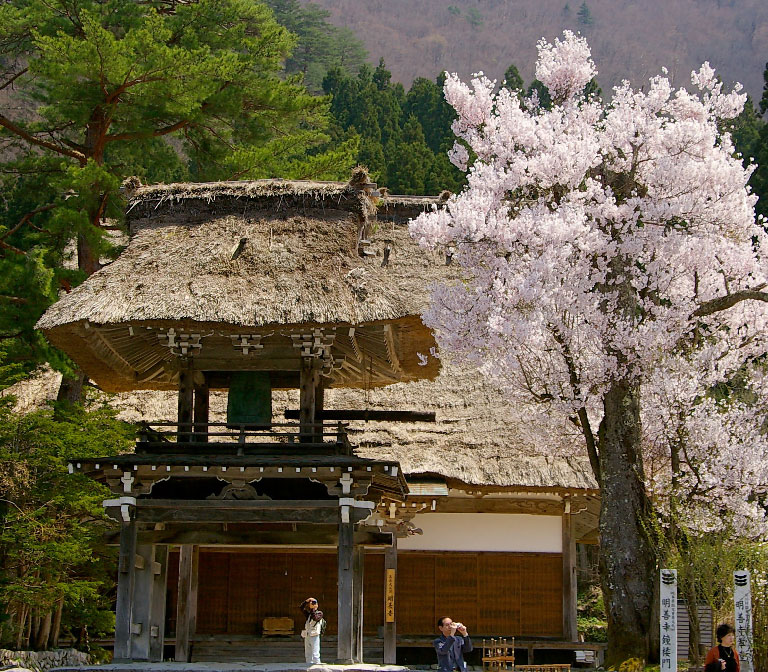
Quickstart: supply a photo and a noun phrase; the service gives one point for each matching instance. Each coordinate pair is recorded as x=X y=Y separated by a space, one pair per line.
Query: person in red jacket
x=723 y=657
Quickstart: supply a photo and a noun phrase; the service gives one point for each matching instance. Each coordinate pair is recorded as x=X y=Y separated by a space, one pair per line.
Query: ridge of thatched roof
x=277 y=194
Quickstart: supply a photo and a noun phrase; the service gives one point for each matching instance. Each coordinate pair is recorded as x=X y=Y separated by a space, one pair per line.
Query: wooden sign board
x=389 y=597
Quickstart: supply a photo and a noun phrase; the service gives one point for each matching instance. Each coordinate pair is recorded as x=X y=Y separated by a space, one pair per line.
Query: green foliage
x=51 y=523
x=541 y=92
x=319 y=44
x=512 y=79
x=584 y=16
x=453 y=9
x=750 y=136
x=403 y=137
x=591 y=618
x=474 y=17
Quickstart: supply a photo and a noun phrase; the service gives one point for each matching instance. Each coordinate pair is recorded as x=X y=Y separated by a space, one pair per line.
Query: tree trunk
x=43 y=631
x=22 y=626
x=627 y=558
x=694 y=641
x=71 y=387
x=53 y=642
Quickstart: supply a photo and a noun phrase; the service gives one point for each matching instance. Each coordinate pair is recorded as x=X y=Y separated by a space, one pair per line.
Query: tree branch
x=139 y=135
x=583 y=416
x=729 y=300
x=13 y=79
x=17 y=300
x=25 y=135
x=26 y=218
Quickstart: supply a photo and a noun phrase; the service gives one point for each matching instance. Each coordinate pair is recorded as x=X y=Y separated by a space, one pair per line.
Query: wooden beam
x=345 y=581
x=389 y=339
x=310 y=535
x=238 y=362
x=142 y=603
x=159 y=571
x=570 y=628
x=185 y=403
x=317 y=418
x=546 y=507
x=126 y=574
x=248 y=511
x=308 y=384
x=186 y=603
x=366 y=415
x=201 y=411
x=390 y=627
x=358 y=558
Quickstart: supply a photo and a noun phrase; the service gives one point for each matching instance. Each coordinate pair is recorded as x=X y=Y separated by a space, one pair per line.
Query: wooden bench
x=555 y=667
x=274 y=625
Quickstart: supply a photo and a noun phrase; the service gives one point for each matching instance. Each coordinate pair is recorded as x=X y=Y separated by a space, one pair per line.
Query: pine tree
x=319 y=44
x=108 y=89
x=584 y=15
x=512 y=79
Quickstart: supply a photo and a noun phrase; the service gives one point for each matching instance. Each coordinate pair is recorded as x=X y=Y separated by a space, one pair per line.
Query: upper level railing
x=243 y=439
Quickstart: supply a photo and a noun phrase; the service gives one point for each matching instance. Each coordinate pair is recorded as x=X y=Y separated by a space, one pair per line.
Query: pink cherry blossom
x=614 y=241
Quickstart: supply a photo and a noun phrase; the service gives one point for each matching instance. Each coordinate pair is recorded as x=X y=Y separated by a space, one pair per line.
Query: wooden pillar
x=319 y=403
x=142 y=601
x=125 y=580
x=345 y=591
x=390 y=626
x=309 y=379
x=186 y=603
x=358 y=564
x=201 y=411
x=570 y=627
x=186 y=394
x=157 y=606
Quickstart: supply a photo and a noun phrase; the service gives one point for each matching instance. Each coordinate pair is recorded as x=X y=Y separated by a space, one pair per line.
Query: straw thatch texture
x=296 y=264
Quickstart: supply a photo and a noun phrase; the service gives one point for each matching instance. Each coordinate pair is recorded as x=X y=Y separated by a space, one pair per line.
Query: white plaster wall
x=510 y=532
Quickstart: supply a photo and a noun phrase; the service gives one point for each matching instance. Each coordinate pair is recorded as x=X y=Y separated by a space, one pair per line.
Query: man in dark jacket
x=450 y=646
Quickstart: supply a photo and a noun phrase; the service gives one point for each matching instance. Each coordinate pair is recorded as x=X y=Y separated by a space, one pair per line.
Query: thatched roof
x=221 y=258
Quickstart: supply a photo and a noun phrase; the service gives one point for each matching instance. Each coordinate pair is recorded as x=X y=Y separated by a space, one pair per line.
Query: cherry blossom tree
x=615 y=272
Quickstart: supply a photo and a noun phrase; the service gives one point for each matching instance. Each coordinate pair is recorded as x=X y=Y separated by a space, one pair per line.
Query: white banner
x=668 y=621
x=742 y=602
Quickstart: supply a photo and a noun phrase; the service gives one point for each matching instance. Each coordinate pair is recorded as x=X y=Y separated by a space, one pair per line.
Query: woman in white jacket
x=312 y=630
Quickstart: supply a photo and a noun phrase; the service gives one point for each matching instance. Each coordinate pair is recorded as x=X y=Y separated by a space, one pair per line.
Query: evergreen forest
x=96 y=92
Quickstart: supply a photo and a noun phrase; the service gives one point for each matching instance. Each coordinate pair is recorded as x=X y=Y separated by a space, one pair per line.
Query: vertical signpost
x=668 y=620
x=742 y=602
x=389 y=601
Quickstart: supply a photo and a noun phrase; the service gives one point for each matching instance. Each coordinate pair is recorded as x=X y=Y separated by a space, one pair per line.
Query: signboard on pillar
x=389 y=599
x=742 y=602
x=668 y=621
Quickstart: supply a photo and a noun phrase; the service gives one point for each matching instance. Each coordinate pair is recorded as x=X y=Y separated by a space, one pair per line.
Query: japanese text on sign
x=668 y=620
x=389 y=599
x=742 y=601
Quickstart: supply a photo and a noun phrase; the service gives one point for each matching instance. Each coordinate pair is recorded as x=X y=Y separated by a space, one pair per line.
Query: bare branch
x=138 y=135
x=13 y=79
x=25 y=135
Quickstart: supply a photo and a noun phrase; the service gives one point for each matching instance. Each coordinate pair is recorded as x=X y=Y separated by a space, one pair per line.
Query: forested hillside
x=629 y=38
